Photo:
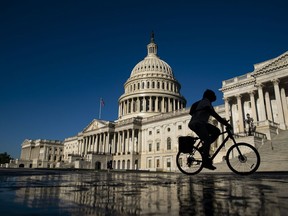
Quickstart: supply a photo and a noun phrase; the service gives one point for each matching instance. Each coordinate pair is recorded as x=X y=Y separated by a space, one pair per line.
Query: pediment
x=273 y=64
x=94 y=125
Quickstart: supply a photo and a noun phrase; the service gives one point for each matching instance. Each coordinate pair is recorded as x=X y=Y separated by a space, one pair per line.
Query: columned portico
x=267 y=86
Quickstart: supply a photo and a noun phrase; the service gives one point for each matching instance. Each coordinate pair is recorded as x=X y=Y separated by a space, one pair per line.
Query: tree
x=5 y=158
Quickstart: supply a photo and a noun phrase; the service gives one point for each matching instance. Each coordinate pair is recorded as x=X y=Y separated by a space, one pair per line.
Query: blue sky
x=58 y=58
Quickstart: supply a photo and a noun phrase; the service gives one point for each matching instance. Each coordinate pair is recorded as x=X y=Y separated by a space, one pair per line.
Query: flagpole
x=100 y=107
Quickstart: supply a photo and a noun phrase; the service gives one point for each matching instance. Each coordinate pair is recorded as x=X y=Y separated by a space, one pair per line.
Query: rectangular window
x=168 y=163
x=168 y=143
x=149 y=163
x=157 y=163
x=158 y=146
x=150 y=147
x=179 y=127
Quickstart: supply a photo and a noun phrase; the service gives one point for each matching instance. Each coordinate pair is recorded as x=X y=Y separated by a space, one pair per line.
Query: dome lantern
x=152 y=47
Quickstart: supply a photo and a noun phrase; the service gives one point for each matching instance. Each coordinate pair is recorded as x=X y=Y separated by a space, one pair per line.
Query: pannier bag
x=186 y=143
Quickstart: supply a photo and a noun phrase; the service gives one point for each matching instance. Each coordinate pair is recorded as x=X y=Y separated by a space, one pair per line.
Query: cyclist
x=208 y=133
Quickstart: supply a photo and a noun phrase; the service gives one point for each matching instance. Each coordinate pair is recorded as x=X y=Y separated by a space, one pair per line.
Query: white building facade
x=263 y=94
x=40 y=153
x=152 y=114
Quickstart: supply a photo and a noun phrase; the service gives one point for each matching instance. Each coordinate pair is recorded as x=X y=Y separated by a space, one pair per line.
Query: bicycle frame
x=229 y=135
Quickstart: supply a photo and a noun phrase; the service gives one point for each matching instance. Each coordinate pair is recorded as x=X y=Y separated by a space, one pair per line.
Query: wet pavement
x=52 y=192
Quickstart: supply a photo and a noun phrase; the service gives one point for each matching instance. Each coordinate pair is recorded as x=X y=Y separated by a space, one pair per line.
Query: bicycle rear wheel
x=243 y=158
x=189 y=163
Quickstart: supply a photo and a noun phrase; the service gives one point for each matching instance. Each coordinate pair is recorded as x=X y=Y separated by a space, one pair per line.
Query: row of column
x=264 y=111
x=97 y=143
x=123 y=142
x=166 y=86
x=149 y=104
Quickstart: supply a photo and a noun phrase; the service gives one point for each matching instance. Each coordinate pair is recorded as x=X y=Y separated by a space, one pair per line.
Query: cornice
x=274 y=65
x=238 y=85
x=165 y=116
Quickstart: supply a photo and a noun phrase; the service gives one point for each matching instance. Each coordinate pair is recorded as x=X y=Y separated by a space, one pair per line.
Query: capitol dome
x=151 y=88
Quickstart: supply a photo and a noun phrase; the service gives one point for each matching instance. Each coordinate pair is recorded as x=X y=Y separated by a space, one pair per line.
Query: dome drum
x=148 y=105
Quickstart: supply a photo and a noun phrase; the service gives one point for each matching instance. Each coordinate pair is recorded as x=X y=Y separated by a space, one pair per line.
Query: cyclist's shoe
x=207 y=163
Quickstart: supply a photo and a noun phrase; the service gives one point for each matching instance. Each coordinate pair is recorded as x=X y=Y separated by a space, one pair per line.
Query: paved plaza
x=59 y=192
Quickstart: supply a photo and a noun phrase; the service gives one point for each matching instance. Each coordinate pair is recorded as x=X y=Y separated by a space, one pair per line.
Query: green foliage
x=5 y=158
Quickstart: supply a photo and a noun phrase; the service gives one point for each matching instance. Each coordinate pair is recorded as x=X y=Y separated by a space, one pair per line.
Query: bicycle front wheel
x=243 y=158
x=189 y=163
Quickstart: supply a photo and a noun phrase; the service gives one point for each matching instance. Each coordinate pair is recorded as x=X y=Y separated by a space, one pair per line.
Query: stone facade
x=263 y=94
x=40 y=154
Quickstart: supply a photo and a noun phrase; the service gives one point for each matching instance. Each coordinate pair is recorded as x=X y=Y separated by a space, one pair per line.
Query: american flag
x=102 y=102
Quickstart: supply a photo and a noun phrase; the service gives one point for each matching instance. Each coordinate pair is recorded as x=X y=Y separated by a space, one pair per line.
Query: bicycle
x=242 y=158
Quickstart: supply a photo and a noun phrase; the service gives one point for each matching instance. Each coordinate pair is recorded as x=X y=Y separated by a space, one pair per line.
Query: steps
x=274 y=153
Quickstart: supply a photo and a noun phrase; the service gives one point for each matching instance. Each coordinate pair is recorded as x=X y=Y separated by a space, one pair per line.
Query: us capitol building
x=152 y=114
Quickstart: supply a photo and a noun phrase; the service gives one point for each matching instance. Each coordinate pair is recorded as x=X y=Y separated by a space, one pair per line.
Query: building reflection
x=144 y=194
x=233 y=196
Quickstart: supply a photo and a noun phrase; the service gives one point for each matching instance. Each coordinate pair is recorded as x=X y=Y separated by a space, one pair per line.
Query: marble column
x=131 y=105
x=144 y=104
x=162 y=104
x=138 y=104
x=279 y=103
x=150 y=104
x=132 y=141
x=108 y=143
x=240 y=114
x=262 y=109
x=118 y=143
x=169 y=105
x=123 y=142
x=253 y=106
x=285 y=106
x=227 y=109
x=156 y=104
x=174 y=105
x=268 y=106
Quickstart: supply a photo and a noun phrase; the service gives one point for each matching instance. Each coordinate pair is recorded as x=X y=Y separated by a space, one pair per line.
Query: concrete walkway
x=54 y=192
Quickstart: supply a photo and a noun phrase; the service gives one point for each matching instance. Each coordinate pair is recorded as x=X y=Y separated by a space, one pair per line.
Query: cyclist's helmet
x=210 y=95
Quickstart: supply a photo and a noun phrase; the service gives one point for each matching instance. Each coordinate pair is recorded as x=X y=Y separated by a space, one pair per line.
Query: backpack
x=194 y=107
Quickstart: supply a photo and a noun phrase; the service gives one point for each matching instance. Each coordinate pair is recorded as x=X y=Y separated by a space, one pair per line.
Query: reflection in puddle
x=96 y=193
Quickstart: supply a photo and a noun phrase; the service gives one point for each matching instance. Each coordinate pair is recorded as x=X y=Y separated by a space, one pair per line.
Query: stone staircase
x=273 y=154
